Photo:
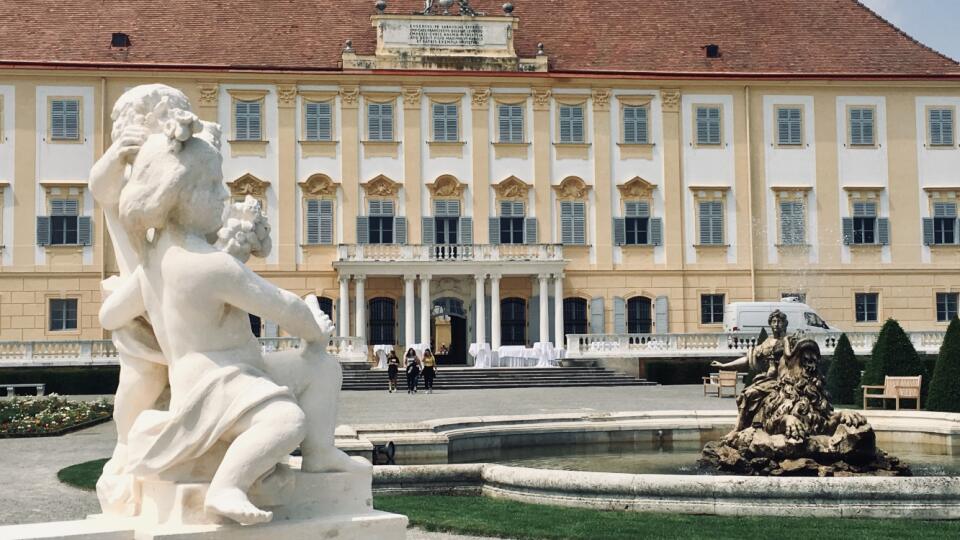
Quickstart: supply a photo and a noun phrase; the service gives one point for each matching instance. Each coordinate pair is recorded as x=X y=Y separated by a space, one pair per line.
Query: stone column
x=425 y=308
x=408 y=299
x=344 y=326
x=361 y=322
x=494 y=311
x=481 y=326
x=544 y=308
x=558 y=310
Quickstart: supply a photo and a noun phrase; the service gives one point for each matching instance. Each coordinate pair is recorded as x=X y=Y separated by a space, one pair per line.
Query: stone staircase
x=449 y=378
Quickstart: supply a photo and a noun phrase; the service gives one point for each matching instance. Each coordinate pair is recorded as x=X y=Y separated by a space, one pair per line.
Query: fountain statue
x=785 y=423
x=214 y=453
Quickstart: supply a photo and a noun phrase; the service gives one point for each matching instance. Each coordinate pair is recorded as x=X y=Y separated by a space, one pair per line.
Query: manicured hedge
x=843 y=377
x=945 y=383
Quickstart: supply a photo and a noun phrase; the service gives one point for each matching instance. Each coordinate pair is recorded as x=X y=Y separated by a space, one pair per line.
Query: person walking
x=393 y=367
x=429 y=370
x=412 y=367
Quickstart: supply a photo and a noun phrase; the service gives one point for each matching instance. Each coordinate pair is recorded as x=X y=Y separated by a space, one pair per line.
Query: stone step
x=449 y=378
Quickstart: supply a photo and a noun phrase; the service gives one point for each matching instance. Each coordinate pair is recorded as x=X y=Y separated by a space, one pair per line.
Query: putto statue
x=178 y=313
x=785 y=423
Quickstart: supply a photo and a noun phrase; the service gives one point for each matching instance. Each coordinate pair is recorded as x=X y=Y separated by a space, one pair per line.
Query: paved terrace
x=31 y=465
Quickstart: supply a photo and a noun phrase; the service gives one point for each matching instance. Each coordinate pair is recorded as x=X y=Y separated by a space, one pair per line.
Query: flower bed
x=49 y=415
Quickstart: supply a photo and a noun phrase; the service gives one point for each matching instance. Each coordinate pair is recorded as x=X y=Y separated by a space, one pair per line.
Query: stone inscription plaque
x=461 y=36
x=432 y=34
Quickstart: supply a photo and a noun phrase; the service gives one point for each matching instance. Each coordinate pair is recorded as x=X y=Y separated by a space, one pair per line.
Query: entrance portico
x=543 y=264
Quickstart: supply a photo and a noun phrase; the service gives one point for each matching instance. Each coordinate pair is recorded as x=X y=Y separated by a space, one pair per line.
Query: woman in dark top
x=393 y=367
x=412 y=366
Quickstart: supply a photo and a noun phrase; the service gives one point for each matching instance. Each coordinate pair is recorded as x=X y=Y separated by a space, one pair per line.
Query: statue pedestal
x=319 y=505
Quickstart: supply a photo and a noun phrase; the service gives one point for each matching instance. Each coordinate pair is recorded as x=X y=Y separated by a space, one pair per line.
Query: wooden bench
x=895 y=388
x=11 y=388
x=716 y=382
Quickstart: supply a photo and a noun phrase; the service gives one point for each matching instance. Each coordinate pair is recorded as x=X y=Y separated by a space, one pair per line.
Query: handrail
x=449 y=252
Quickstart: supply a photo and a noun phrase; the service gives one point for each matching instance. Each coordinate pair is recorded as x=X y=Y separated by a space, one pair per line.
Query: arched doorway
x=513 y=321
x=639 y=315
x=574 y=316
x=448 y=331
x=383 y=321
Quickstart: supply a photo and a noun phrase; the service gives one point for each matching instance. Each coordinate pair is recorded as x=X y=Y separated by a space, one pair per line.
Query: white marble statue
x=179 y=316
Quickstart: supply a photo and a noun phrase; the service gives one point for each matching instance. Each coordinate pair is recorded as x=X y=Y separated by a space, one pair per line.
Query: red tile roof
x=771 y=37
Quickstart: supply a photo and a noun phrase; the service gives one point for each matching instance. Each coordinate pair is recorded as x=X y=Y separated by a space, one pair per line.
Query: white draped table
x=483 y=356
x=380 y=352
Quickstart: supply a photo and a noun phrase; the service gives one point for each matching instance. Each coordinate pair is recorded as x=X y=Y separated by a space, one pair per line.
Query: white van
x=752 y=316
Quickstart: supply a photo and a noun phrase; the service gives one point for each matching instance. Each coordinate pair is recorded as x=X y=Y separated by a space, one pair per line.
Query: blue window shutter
x=596 y=315
x=868 y=126
x=629 y=125
x=452 y=118
x=656 y=231
x=494 y=230
x=386 y=121
x=466 y=230
x=400 y=331
x=439 y=122
x=883 y=231
x=400 y=230
x=530 y=230
x=516 y=123
x=702 y=131
x=579 y=223
x=928 y=231
x=326 y=221
x=427 y=231
x=373 y=122
x=363 y=230
x=57 y=119
x=619 y=231
x=565 y=124
x=313 y=221
x=64 y=207
x=619 y=315
x=661 y=315
x=311 y=121
x=84 y=231
x=847 y=228
x=533 y=332
x=43 y=231
x=566 y=222
x=577 y=124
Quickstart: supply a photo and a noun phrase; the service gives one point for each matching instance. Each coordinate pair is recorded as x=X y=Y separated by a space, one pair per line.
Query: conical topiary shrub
x=892 y=354
x=843 y=377
x=945 y=384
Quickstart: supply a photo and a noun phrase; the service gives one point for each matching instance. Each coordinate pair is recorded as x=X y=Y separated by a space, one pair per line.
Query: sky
x=935 y=23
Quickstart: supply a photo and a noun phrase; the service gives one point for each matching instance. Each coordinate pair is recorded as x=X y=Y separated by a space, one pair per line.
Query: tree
x=945 y=384
x=893 y=354
x=843 y=377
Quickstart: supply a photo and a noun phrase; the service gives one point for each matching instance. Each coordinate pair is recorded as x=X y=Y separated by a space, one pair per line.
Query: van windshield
x=814 y=320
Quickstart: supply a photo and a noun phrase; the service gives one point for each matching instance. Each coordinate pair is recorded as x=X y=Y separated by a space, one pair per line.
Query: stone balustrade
x=349 y=349
x=449 y=252
x=719 y=344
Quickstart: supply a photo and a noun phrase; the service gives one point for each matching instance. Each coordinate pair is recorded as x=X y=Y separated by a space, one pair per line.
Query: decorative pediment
x=512 y=188
x=447 y=186
x=319 y=185
x=248 y=184
x=381 y=186
x=636 y=188
x=571 y=188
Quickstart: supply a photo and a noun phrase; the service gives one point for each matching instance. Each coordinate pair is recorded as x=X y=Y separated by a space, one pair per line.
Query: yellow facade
x=906 y=274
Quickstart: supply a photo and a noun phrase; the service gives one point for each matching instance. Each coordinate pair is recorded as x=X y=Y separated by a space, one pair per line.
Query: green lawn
x=494 y=517
x=82 y=475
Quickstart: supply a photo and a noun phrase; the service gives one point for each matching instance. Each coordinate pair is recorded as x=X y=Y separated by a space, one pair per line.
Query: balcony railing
x=720 y=344
x=103 y=353
x=449 y=252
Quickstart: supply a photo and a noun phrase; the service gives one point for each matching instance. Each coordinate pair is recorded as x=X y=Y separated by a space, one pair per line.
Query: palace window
x=571 y=123
x=574 y=316
x=940 y=124
x=708 y=125
x=319 y=221
x=318 y=121
x=380 y=220
x=865 y=306
x=793 y=223
x=711 y=308
x=64 y=119
x=446 y=122
x=64 y=226
x=639 y=318
x=513 y=321
x=947 y=306
x=941 y=229
x=637 y=228
x=789 y=126
x=248 y=120
x=636 y=125
x=862 y=125
x=573 y=223
x=383 y=321
x=447 y=225
x=510 y=121
x=511 y=222
x=711 y=222
x=63 y=314
x=380 y=121
x=864 y=227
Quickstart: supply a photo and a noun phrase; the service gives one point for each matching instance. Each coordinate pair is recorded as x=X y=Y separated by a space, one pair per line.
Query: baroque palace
x=507 y=174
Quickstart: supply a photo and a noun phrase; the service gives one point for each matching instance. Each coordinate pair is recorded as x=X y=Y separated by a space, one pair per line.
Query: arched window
x=574 y=316
x=383 y=321
x=326 y=306
x=639 y=319
x=513 y=321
